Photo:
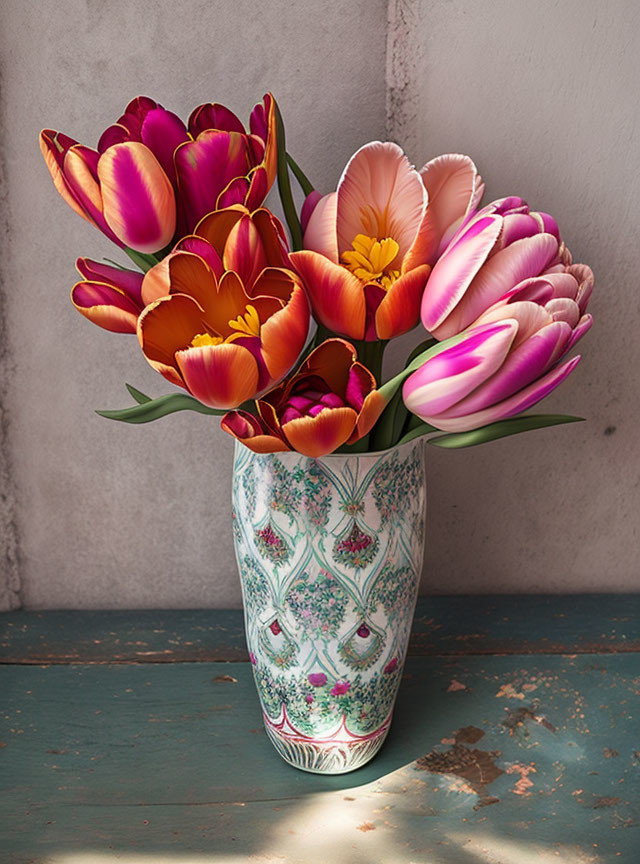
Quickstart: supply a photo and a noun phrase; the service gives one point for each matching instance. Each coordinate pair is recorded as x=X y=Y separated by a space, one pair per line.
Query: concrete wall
x=96 y=514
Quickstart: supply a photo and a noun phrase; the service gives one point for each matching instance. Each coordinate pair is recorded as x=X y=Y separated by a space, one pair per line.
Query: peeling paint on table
x=509 y=759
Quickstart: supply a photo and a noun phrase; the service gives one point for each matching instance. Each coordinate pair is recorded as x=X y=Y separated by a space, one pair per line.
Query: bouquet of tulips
x=224 y=303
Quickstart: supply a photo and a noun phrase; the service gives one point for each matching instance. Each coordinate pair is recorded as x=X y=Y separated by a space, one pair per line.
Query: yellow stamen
x=370 y=259
x=247 y=324
x=204 y=339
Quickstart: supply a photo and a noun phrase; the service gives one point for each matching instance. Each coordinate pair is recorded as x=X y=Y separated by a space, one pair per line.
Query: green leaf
x=141 y=259
x=153 y=409
x=416 y=432
x=501 y=429
x=284 y=185
x=301 y=177
x=138 y=395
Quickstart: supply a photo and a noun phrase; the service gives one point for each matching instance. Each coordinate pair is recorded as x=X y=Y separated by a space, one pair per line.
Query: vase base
x=337 y=753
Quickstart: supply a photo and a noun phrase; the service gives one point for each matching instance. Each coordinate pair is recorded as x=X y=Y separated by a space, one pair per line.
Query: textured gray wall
x=96 y=514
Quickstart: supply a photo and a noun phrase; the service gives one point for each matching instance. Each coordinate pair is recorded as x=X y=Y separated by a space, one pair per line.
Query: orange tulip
x=330 y=401
x=223 y=340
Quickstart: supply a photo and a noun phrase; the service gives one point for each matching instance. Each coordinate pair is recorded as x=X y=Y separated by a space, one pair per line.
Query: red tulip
x=330 y=401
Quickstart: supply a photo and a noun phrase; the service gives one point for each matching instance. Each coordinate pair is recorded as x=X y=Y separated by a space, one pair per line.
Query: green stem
x=301 y=177
x=284 y=186
x=141 y=259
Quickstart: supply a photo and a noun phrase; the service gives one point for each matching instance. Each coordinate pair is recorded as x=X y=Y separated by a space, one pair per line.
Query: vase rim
x=334 y=456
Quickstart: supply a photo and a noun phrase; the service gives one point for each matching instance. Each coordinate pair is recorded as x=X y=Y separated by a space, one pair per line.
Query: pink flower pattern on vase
x=328 y=619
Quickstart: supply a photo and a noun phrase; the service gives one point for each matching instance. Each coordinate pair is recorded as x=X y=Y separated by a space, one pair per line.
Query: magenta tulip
x=502 y=249
x=109 y=296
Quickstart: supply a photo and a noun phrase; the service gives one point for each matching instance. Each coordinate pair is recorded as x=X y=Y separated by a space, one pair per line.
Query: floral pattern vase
x=330 y=553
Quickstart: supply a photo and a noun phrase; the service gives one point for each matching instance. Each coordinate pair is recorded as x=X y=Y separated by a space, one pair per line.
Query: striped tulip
x=111 y=297
x=222 y=163
x=330 y=401
x=223 y=341
x=229 y=239
x=369 y=245
x=507 y=362
x=503 y=249
x=153 y=177
x=123 y=190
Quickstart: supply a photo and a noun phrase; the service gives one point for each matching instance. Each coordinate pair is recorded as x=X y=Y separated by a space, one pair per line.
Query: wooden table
x=137 y=737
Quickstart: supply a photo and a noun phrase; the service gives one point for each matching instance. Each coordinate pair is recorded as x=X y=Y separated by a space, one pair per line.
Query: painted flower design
x=356 y=549
x=340 y=688
x=272 y=546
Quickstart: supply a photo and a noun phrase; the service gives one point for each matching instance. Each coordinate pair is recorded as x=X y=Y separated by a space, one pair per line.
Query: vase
x=330 y=553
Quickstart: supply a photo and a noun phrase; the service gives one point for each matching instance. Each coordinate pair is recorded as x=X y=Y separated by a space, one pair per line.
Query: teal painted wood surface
x=443 y=625
x=510 y=759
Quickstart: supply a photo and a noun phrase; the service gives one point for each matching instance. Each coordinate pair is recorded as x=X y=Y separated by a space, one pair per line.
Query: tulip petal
x=380 y=195
x=259 y=185
x=564 y=309
x=200 y=247
x=443 y=380
x=262 y=122
x=455 y=270
x=515 y=404
x=317 y=436
x=331 y=361
x=450 y=181
x=167 y=325
x=213 y=116
x=234 y=193
x=399 y=310
x=530 y=317
x=308 y=207
x=54 y=146
x=129 y=282
x=220 y=376
x=502 y=272
x=105 y=306
x=156 y=282
x=249 y=431
x=138 y=198
x=283 y=334
x=320 y=233
x=244 y=252
x=191 y=275
x=205 y=167
x=370 y=412
x=336 y=295
x=215 y=227
x=584 y=325
x=585 y=279
x=163 y=132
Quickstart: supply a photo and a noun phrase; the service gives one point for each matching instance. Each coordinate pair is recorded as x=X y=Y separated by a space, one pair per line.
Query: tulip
x=229 y=239
x=498 y=251
x=502 y=366
x=369 y=245
x=222 y=341
x=330 y=401
x=151 y=175
x=123 y=191
x=111 y=297
x=224 y=164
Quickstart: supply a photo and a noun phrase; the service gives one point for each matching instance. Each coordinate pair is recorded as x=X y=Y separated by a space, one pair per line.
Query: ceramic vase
x=330 y=553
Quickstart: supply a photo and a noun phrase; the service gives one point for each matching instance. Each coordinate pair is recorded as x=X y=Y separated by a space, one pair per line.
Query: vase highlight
x=330 y=553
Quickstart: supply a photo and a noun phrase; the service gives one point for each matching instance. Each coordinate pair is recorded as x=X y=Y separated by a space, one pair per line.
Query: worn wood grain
x=443 y=626
x=168 y=763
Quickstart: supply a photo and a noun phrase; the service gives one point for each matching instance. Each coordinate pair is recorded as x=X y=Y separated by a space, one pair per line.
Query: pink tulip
x=505 y=250
x=502 y=366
